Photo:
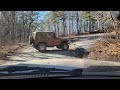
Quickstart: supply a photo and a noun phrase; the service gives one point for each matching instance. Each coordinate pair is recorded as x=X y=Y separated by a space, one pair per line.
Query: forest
x=17 y=26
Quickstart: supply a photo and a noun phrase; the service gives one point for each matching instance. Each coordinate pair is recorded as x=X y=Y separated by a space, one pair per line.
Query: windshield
x=91 y=41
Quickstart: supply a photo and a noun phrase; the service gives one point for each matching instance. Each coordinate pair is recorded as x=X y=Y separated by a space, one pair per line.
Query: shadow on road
x=48 y=54
x=15 y=60
x=70 y=53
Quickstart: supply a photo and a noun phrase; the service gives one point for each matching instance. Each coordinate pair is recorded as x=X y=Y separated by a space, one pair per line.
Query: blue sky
x=42 y=14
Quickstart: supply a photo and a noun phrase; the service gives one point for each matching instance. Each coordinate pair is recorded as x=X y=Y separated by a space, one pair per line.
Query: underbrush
x=105 y=50
x=9 y=50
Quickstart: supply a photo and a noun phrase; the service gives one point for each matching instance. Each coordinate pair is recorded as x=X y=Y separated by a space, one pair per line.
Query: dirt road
x=30 y=53
x=53 y=56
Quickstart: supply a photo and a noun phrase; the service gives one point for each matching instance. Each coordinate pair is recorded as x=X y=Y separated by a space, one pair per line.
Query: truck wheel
x=65 y=46
x=58 y=47
x=42 y=47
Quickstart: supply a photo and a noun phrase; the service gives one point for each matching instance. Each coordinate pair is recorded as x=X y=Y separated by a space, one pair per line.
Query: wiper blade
x=38 y=72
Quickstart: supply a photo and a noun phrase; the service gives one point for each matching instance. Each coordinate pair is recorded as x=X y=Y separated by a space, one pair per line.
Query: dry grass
x=115 y=34
x=9 y=50
x=105 y=50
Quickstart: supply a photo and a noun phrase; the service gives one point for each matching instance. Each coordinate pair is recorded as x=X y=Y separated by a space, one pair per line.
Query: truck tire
x=41 y=47
x=65 y=46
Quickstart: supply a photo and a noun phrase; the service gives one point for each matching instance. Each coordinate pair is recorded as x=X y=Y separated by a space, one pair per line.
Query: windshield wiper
x=23 y=72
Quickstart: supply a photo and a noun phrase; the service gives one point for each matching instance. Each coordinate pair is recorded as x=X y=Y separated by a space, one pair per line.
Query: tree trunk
x=29 y=33
x=64 y=24
x=72 y=26
x=78 y=32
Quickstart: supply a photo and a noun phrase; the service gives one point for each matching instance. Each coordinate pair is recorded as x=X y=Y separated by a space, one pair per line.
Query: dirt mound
x=105 y=50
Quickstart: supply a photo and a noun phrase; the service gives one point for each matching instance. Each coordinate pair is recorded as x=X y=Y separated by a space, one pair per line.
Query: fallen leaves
x=105 y=50
x=8 y=50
